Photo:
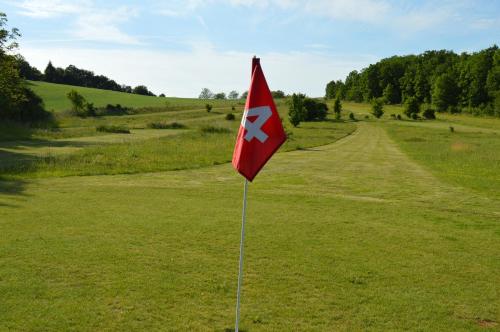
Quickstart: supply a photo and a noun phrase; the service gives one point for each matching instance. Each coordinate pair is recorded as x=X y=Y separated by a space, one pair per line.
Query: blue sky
x=179 y=47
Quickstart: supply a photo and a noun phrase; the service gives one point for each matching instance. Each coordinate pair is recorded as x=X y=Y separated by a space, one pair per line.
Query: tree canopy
x=73 y=75
x=17 y=101
x=449 y=81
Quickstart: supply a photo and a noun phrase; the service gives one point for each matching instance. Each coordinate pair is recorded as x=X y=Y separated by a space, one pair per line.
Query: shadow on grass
x=300 y=148
x=11 y=188
x=42 y=143
x=17 y=161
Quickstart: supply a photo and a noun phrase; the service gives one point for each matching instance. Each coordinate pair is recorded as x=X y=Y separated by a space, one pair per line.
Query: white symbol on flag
x=263 y=113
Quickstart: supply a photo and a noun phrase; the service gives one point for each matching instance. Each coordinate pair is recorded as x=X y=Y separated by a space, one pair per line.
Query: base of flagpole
x=240 y=271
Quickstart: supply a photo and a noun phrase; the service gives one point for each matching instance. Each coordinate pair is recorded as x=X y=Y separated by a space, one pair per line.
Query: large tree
x=233 y=94
x=445 y=93
x=17 y=101
x=206 y=94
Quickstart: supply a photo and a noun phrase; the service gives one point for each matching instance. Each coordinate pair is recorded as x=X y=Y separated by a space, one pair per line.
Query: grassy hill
x=381 y=225
x=54 y=96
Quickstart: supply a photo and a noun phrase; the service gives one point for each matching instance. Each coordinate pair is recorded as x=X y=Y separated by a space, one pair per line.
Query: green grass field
x=54 y=96
x=373 y=225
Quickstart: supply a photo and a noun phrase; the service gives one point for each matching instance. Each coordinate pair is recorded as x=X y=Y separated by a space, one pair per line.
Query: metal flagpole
x=240 y=272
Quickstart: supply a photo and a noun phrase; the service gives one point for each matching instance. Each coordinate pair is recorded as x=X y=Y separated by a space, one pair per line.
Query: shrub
x=398 y=117
x=162 y=125
x=351 y=116
x=142 y=90
x=278 y=94
x=414 y=116
x=412 y=107
x=90 y=110
x=452 y=129
x=429 y=114
x=296 y=110
x=230 y=116
x=337 y=108
x=32 y=110
x=113 y=129
x=378 y=107
x=208 y=107
x=214 y=130
x=115 y=110
x=79 y=106
x=77 y=103
x=314 y=110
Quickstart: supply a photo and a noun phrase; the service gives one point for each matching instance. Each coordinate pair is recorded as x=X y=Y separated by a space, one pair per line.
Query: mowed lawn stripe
x=349 y=236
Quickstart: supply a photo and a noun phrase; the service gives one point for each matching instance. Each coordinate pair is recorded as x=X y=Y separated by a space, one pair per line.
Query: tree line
x=73 y=75
x=448 y=81
x=208 y=94
x=17 y=101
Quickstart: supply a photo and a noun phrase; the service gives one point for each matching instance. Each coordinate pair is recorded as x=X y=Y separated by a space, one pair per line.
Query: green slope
x=353 y=236
x=54 y=96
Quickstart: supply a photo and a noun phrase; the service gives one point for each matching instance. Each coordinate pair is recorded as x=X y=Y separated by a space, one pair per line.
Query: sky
x=179 y=47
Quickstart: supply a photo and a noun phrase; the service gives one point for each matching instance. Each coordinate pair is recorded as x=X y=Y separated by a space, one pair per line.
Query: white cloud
x=102 y=26
x=359 y=10
x=485 y=23
x=90 y=23
x=184 y=74
x=403 y=16
x=51 y=8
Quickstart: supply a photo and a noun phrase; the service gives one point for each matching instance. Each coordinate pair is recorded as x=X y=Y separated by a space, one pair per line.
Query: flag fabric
x=261 y=132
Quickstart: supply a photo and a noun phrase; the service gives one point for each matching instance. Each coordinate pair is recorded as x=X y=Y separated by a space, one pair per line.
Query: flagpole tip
x=255 y=62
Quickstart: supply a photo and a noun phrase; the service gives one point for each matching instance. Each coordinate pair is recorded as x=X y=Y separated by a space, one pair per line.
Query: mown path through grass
x=349 y=236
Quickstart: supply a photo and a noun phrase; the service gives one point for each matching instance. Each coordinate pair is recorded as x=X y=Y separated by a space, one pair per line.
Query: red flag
x=261 y=132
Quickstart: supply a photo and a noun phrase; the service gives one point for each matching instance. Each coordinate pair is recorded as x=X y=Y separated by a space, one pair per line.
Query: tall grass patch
x=113 y=129
x=163 y=125
x=467 y=158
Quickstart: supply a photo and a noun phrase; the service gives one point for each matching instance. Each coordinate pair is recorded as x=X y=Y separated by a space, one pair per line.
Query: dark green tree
x=411 y=107
x=17 y=101
x=278 y=94
x=233 y=95
x=334 y=89
x=142 y=90
x=78 y=103
x=337 y=108
x=314 y=110
x=377 y=107
x=296 y=110
x=50 y=73
x=206 y=94
x=354 y=87
x=220 y=95
x=390 y=94
x=445 y=92
x=26 y=71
